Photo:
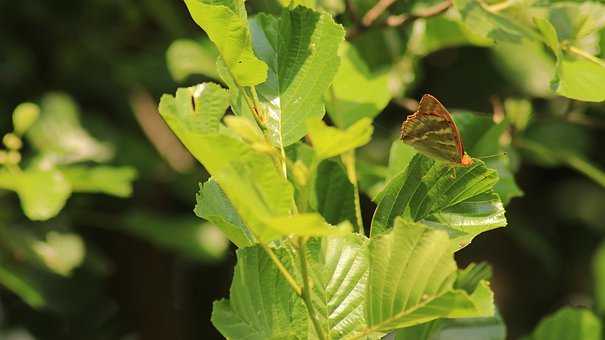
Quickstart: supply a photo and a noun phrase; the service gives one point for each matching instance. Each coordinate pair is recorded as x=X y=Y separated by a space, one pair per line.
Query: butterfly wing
x=432 y=131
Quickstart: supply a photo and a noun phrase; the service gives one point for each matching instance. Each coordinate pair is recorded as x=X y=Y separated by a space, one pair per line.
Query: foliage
x=341 y=230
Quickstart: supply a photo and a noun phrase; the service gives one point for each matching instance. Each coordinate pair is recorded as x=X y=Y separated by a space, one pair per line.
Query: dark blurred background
x=107 y=53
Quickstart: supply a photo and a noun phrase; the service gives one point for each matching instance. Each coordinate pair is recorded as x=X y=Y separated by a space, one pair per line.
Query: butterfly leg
x=453 y=175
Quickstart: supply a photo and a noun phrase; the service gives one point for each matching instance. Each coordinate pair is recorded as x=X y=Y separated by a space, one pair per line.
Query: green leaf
x=491 y=25
x=190 y=57
x=199 y=108
x=400 y=157
x=598 y=270
x=334 y=194
x=225 y=22
x=262 y=305
x=300 y=48
x=580 y=78
x=356 y=91
x=339 y=267
x=426 y=191
x=42 y=193
x=116 y=181
x=411 y=280
x=549 y=33
x=456 y=329
x=329 y=141
x=568 y=323
x=24 y=116
x=214 y=206
x=306 y=224
x=184 y=235
x=59 y=136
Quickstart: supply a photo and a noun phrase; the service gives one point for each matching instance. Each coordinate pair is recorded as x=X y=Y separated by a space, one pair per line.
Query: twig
x=586 y=55
x=375 y=12
x=397 y=20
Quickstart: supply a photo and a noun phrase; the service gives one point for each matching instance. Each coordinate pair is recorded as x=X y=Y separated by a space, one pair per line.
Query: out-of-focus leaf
x=261 y=305
x=426 y=191
x=13 y=280
x=225 y=22
x=334 y=194
x=339 y=269
x=189 y=57
x=214 y=206
x=491 y=25
x=423 y=289
x=400 y=156
x=371 y=177
x=356 y=92
x=527 y=65
x=185 y=235
x=24 y=116
x=42 y=193
x=598 y=271
x=482 y=139
x=580 y=78
x=61 y=252
x=553 y=143
x=115 y=181
x=329 y=141
x=300 y=48
x=519 y=112
x=568 y=323
x=58 y=135
x=456 y=329
x=16 y=334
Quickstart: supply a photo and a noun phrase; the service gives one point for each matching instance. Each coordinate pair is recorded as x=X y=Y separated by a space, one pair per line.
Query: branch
x=375 y=12
x=397 y=20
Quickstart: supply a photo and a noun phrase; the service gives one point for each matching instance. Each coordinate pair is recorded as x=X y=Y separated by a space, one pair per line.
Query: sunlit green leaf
x=225 y=22
x=189 y=57
x=214 y=206
x=426 y=191
x=300 y=47
x=356 y=92
x=115 y=181
x=568 y=323
x=580 y=78
x=412 y=280
x=329 y=141
x=339 y=267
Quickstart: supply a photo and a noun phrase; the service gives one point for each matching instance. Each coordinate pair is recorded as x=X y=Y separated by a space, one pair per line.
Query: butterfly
x=432 y=131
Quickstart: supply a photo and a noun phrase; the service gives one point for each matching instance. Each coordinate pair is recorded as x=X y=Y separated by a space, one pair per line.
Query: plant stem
x=376 y=11
x=586 y=55
x=396 y=20
x=306 y=291
x=280 y=266
x=500 y=6
x=349 y=160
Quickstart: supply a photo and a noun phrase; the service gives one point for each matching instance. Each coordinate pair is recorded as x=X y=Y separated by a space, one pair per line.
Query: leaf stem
x=283 y=270
x=500 y=6
x=580 y=52
x=306 y=291
x=375 y=12
x=348 y=159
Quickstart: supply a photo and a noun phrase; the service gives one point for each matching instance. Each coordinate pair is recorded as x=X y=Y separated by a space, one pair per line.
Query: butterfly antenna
x=492 y=156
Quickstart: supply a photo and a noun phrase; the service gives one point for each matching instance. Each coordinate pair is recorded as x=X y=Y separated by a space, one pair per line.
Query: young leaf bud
x=12 y=142
x=24 y=116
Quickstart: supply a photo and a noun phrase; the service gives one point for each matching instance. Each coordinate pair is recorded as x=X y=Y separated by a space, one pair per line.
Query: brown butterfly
x=432 y=131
